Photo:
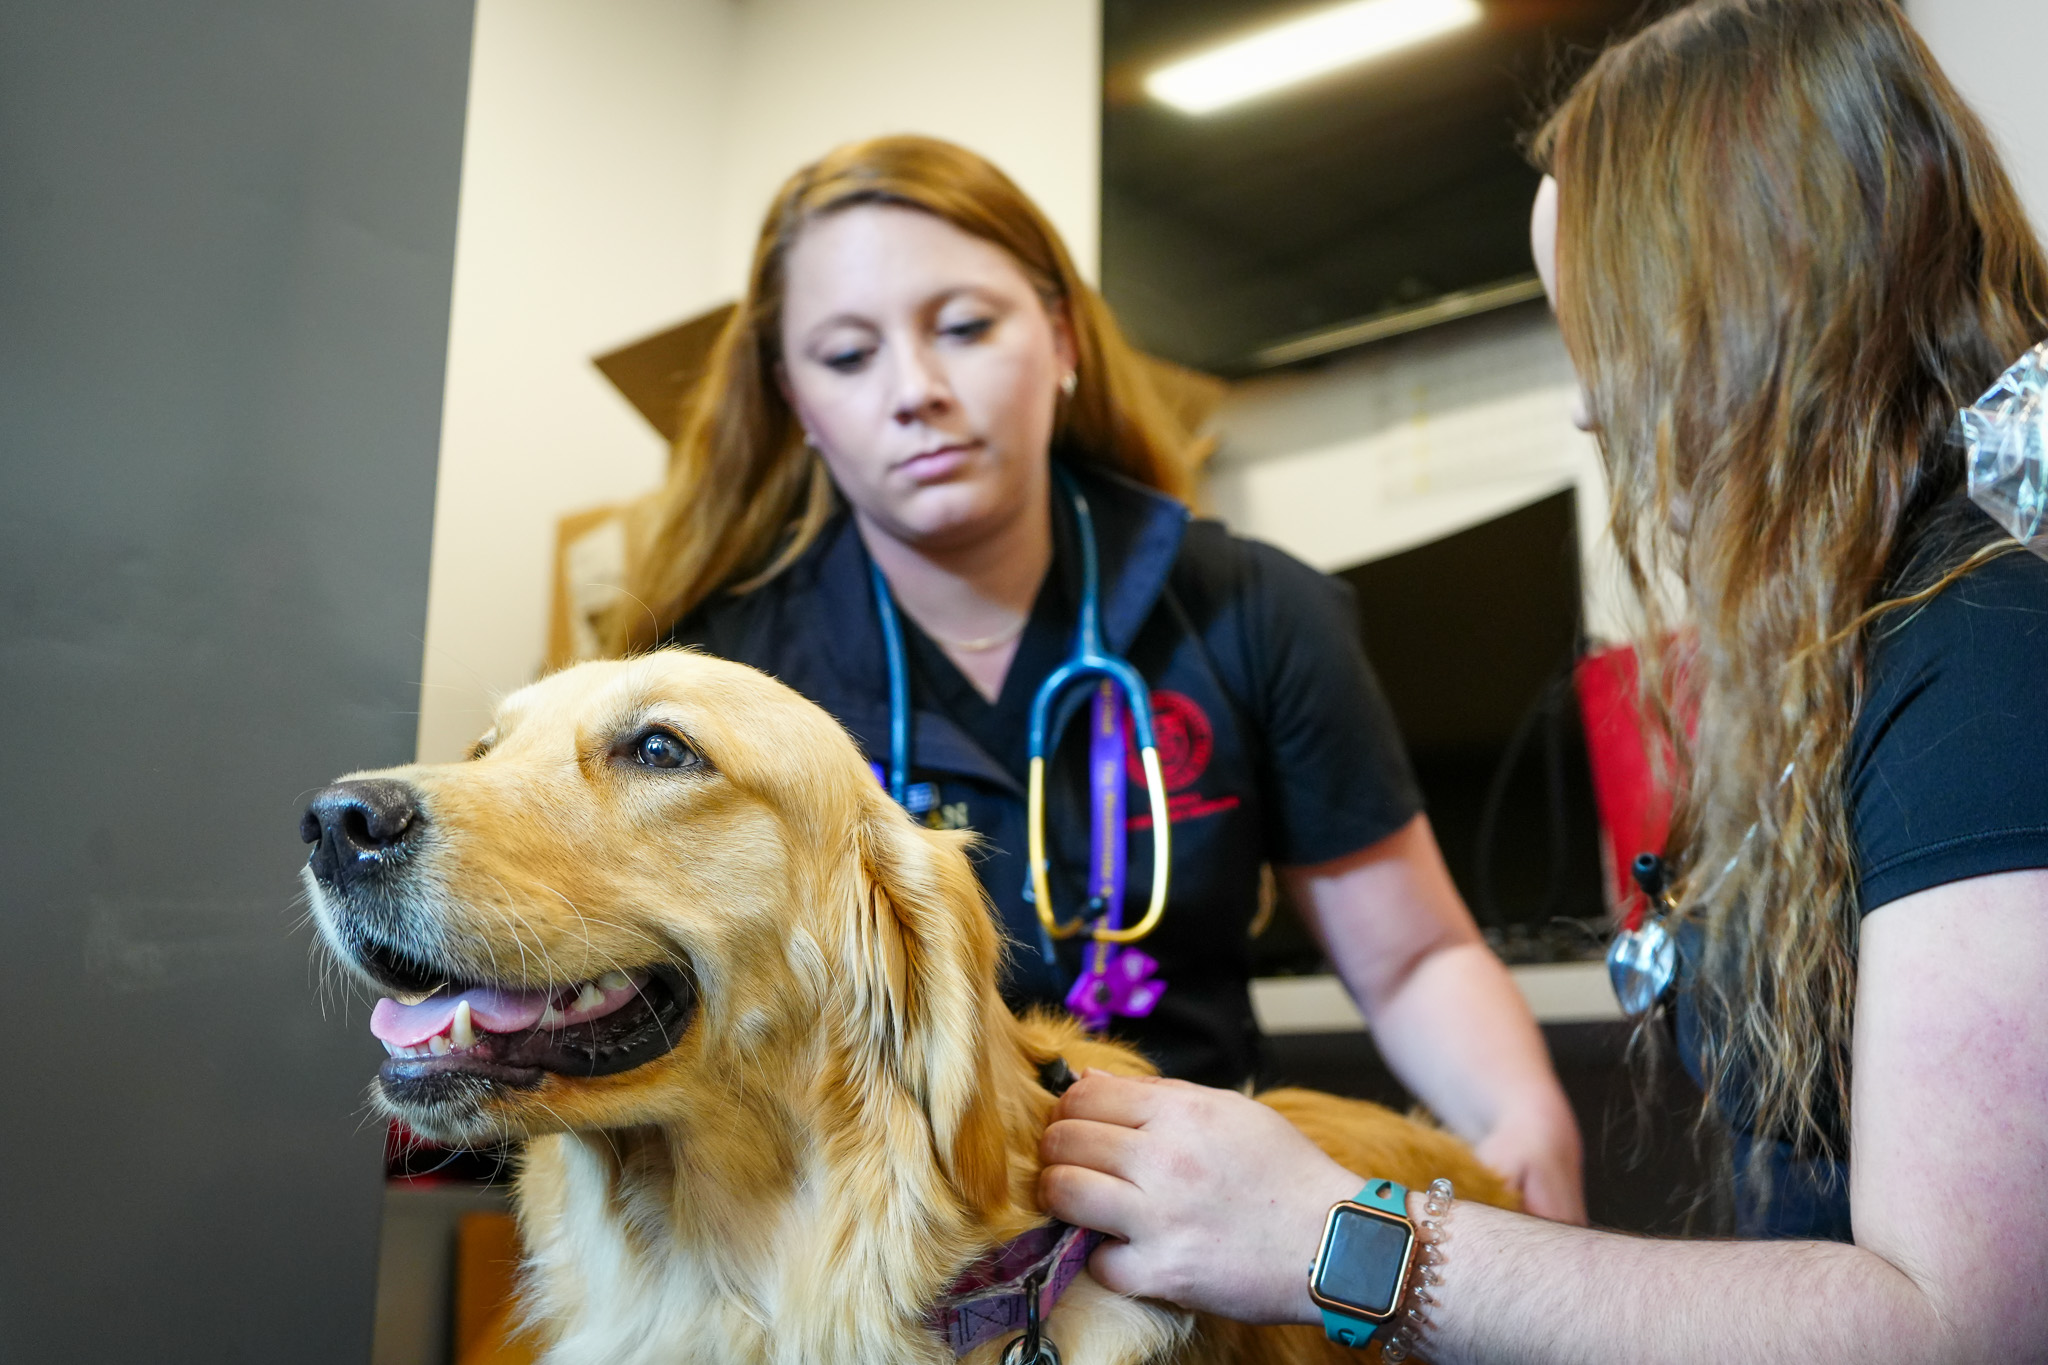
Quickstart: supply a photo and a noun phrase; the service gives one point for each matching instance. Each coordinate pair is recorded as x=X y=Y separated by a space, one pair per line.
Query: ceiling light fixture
x=1300 y=49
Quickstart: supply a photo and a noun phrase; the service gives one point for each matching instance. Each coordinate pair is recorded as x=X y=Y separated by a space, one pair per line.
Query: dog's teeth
x=550 y=1017
x=589 y=998
x=463 y=1032
x=394 y=1049
x=614 y=981
x=438 y=1045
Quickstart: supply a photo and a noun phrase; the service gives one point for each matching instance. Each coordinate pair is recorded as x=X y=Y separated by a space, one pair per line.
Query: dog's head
x=653 y=882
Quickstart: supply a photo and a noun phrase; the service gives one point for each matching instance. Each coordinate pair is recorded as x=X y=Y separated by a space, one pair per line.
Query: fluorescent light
x=1301 y=49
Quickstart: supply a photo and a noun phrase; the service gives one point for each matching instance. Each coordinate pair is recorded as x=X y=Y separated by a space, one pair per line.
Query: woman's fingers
x=1090 y=1199
x=1541 y=1161
x=1119 y=1268
x=1102 y=1097
x=1107 y=1147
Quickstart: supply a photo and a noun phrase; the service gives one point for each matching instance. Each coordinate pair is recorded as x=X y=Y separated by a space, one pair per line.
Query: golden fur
x=851 y=1115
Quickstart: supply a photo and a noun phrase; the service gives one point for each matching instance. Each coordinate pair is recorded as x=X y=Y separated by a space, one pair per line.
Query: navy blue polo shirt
x=1275 y=740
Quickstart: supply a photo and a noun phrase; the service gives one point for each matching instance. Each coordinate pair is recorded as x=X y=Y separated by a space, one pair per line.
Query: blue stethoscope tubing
x=1087 y=660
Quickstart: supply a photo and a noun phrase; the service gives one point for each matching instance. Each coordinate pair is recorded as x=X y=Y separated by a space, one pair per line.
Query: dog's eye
x=660 y=749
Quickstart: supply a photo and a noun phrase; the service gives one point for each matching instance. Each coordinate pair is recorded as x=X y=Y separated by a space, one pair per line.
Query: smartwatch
x=1368 y=1246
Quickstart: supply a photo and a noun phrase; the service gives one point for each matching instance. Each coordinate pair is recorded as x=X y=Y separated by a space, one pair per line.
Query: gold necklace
x=984 y=643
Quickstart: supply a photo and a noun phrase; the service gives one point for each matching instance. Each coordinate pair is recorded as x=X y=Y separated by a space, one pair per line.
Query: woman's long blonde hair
x=744 y=496
x=1787 y=255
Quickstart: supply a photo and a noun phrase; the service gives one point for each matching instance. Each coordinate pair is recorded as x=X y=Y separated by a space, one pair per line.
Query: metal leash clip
x=1032 y=1346
x=1643 y=962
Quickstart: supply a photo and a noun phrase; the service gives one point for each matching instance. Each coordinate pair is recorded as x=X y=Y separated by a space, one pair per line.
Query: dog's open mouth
x=515 y=1037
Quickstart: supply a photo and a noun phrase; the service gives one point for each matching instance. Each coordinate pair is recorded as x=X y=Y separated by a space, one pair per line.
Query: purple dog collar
x=993 y=1295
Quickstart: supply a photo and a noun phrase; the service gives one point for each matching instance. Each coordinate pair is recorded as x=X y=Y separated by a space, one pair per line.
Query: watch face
x=1364 y=1261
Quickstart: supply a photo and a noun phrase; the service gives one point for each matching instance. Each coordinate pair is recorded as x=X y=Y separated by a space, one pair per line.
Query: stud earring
x=1070 y=383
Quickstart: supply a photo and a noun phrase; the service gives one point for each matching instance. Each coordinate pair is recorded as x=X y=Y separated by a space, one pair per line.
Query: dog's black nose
x=355 y=826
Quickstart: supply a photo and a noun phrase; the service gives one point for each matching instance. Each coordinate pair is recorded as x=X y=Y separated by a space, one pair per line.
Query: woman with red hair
x=921 y=423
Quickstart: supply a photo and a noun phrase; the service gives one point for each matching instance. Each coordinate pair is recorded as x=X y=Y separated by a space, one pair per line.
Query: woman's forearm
x=1162 y=1166
x=1444 y=1011
x=1459 y=1035
x=1519 y=1291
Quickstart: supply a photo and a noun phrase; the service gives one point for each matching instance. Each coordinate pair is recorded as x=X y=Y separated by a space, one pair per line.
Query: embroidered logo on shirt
x=1186 y=741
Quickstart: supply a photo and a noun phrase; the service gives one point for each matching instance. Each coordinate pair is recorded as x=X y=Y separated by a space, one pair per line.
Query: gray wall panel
x=226 y=243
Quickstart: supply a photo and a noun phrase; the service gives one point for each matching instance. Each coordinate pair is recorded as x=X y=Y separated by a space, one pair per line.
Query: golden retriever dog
x=664 y=927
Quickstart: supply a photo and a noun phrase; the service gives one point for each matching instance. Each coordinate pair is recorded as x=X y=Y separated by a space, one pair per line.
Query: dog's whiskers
x=587 y=920
x=516 y=922
x=656 y=944
x=581 y=918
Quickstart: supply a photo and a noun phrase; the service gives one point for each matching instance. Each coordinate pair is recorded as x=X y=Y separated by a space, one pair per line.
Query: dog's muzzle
x=450 y=1030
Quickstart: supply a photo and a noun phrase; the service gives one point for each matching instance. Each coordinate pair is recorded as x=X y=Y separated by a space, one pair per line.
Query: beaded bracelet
x=1436 y=1202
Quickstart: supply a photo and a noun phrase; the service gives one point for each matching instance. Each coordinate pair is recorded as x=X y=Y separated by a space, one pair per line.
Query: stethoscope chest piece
x=1642 y=963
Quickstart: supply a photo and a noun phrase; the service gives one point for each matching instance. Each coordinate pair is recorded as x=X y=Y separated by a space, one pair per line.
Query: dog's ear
x=921 y=950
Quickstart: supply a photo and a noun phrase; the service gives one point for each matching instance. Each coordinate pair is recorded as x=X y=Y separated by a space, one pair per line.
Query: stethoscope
x=1642 y=959
x=1087 y=661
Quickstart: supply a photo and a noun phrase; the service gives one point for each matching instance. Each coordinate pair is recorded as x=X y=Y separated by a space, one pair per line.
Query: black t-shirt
x=1946 y=778
x=1947 y=772
x=1276 y=742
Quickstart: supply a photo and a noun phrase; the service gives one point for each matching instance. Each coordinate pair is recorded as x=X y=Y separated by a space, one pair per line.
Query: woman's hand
x=1539 y=1155
x=1218 y=1201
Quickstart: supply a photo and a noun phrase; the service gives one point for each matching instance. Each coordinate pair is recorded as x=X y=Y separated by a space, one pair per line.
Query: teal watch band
x=1344 y=1328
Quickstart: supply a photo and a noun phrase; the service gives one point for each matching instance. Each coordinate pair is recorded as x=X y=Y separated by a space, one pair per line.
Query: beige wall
x=1017 y=80
x=619 y=156
x=1996 y=51
x=588 y=189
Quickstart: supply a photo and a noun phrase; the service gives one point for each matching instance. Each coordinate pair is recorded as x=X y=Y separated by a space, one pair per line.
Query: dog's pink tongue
x=493 y=1010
